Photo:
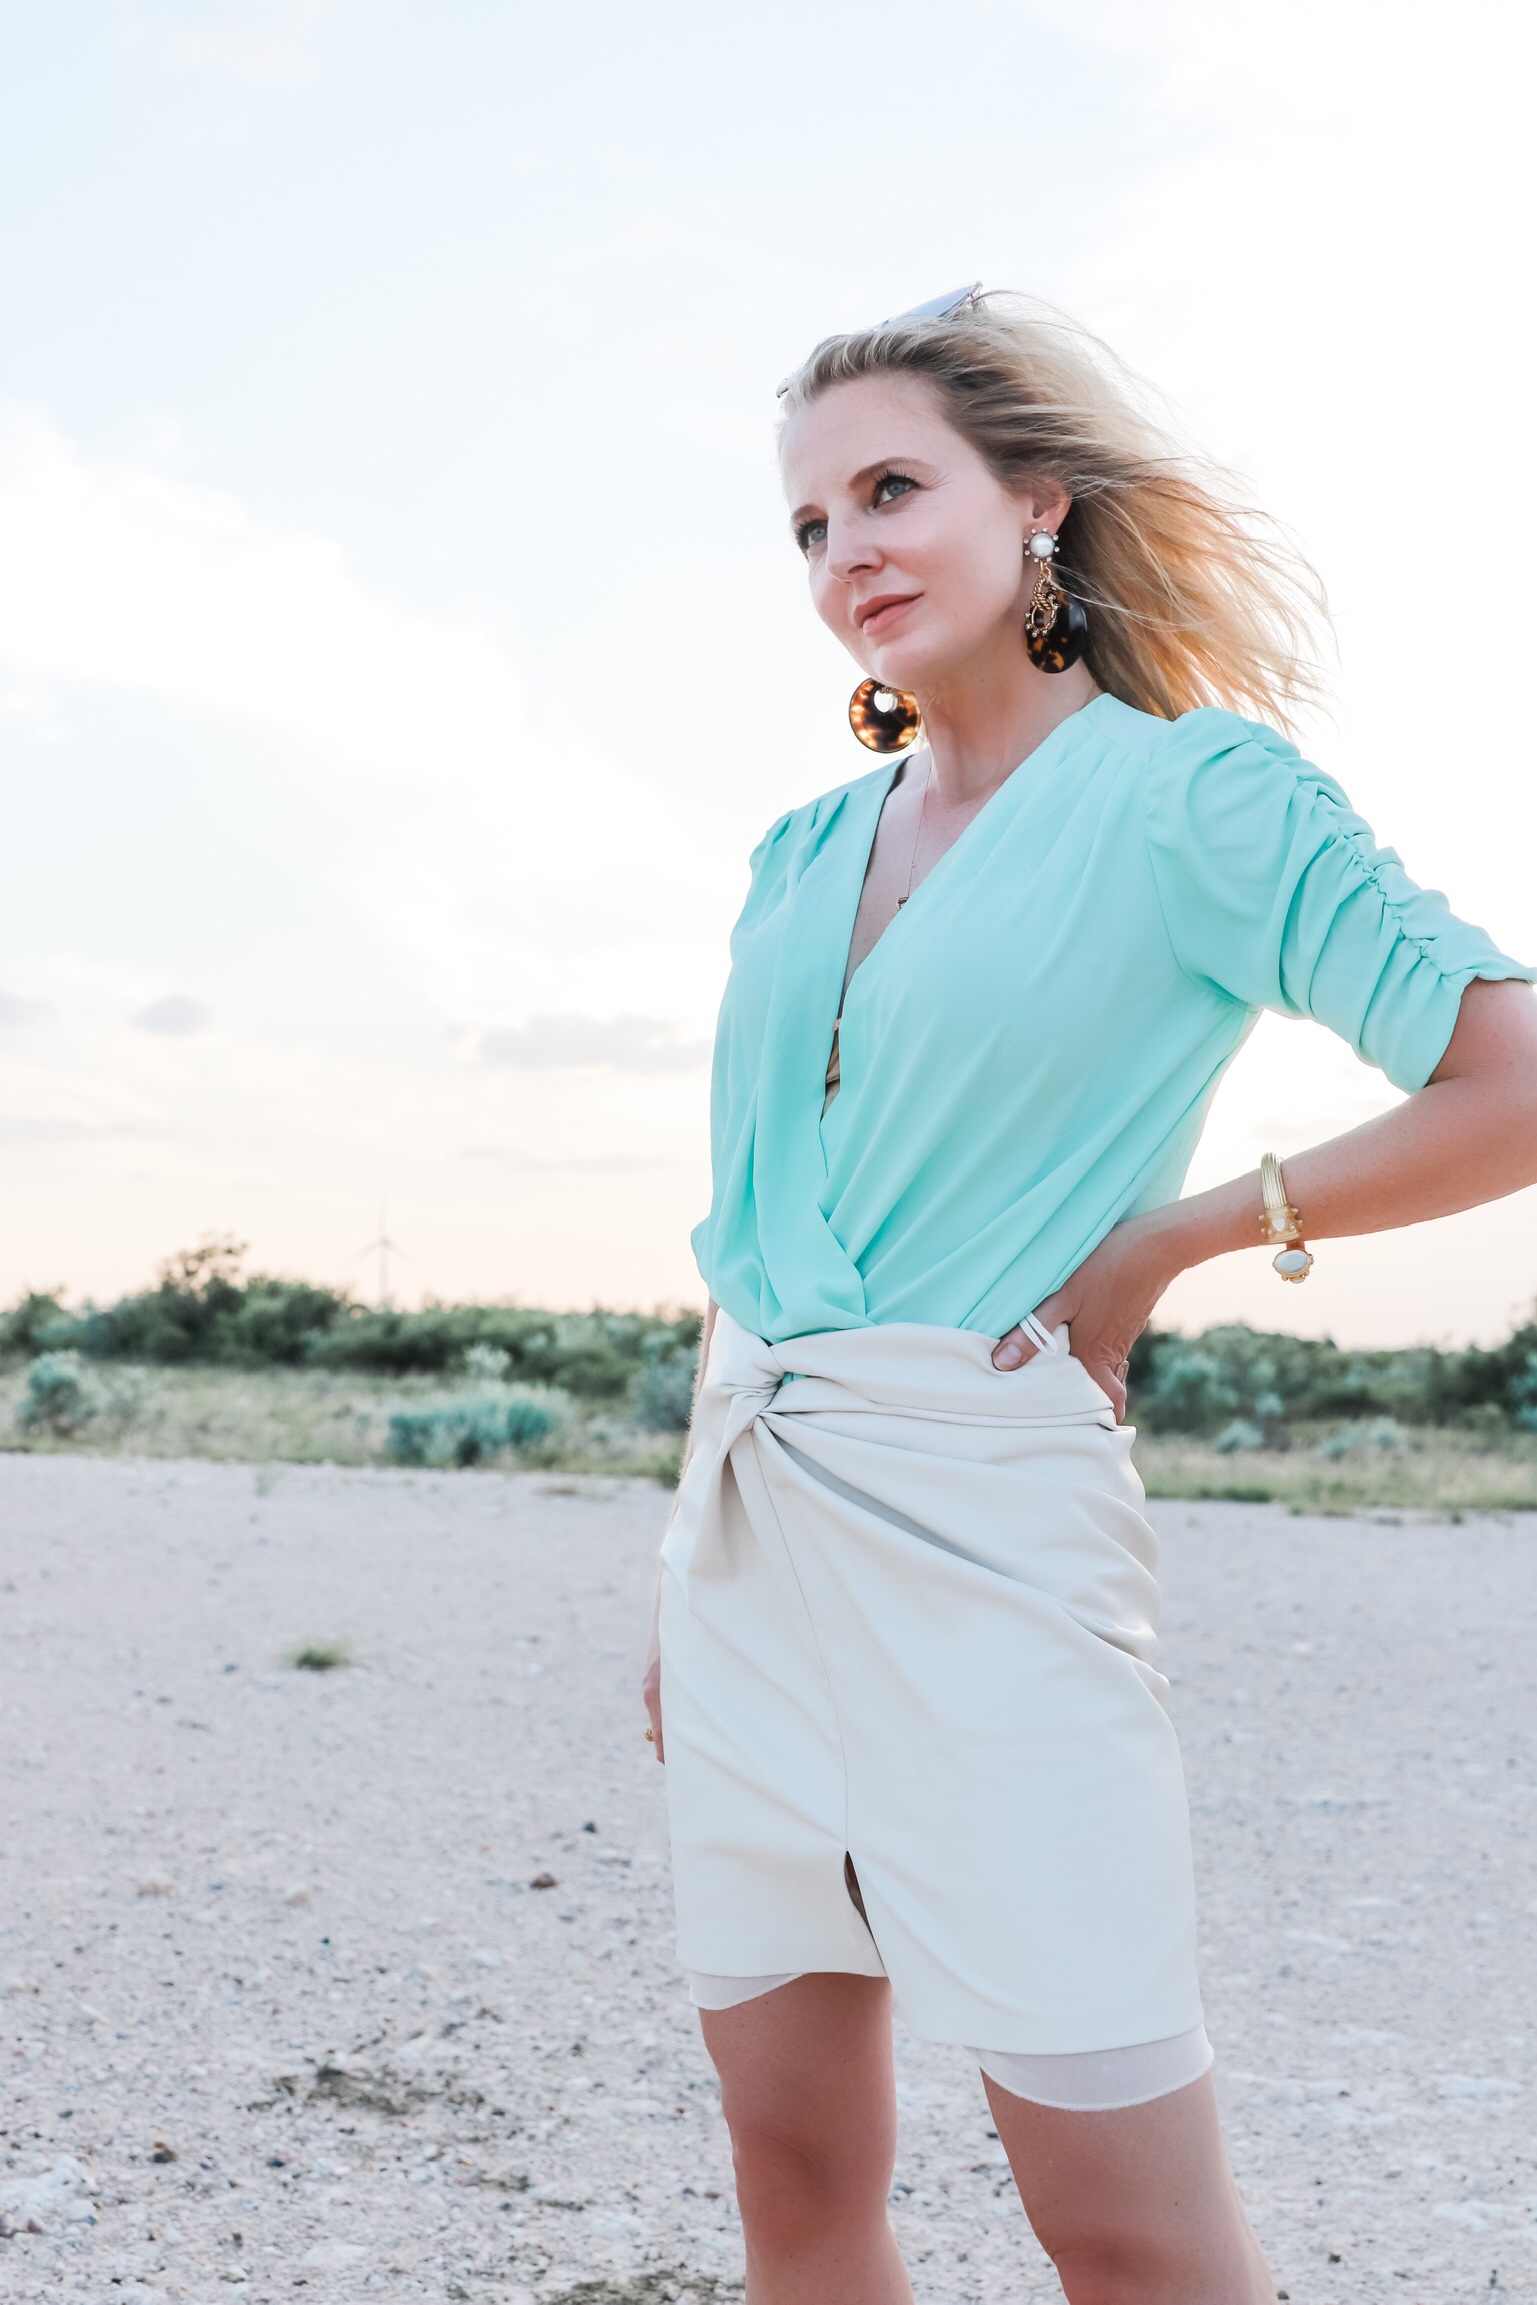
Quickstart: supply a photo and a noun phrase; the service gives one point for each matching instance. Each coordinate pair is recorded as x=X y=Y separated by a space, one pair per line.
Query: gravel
x=288 y=2016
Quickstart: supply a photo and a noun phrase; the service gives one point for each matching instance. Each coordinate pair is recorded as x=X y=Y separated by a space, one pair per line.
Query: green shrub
x=22 y=1329
x=525 y=1421
x=1375 y=1433
x=662 y=1395
x=1202 y=1384
x=470 y=1431
x=592 y=1355
x=204 y=1310
x=57 y=1399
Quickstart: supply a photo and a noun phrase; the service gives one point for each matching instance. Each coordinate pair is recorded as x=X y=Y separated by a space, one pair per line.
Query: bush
x=57 y=1398
x=203 y=1309
x=662 y=1396
x=22 y=1329
x=1379 y=1433
x=470 y=1431
x=596 y=1356
x=526 y=1421
x=1202 y=1384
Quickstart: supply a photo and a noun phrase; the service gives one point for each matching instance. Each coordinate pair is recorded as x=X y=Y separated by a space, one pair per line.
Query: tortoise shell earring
x=885 y=719
x=1056 y=625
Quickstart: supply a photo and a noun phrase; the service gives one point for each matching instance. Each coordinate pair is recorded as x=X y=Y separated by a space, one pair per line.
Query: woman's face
x=916 y=551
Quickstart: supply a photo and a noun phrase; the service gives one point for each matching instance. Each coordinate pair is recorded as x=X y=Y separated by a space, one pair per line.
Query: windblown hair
x=1194 y=597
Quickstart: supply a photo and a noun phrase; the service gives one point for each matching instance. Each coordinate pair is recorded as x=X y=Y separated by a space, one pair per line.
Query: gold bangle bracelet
x=1281 y=1224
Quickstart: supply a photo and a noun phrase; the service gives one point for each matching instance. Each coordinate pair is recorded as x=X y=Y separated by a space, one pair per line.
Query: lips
x=877 y=614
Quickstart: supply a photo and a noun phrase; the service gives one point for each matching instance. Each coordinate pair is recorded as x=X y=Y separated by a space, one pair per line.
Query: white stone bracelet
x=1281 y=1223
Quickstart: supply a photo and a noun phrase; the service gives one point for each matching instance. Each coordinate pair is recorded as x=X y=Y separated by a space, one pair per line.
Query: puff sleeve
x=1274 y=890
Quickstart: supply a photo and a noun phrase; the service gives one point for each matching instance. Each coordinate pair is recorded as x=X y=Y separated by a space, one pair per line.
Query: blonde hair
x=1194 y=597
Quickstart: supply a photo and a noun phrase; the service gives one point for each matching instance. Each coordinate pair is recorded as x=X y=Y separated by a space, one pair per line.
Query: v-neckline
x=1070 y=720
x=898 y=772
x=849 y=978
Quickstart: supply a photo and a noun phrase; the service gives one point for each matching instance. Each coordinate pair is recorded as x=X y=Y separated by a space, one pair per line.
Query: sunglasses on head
x=937 y=308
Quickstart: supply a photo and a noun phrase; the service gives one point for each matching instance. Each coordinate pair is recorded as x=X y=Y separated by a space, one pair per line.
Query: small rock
x=544 y=1881
x=33 y=2204
x=163 y=2151
x=333 y=2256
x=297 y=1895
x=615 y=2225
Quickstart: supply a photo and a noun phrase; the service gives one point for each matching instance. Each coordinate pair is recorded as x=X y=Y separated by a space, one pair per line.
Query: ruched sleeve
x=1274 y=890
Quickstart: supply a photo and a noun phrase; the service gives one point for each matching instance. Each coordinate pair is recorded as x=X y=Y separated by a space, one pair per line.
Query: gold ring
x=651 y=1736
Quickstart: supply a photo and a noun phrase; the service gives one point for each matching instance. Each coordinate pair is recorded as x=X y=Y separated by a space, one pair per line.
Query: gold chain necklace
x=835 y=1060
x=912 y=869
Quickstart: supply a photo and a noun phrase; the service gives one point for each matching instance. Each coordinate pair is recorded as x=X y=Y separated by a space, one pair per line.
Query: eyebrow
x=865 y=472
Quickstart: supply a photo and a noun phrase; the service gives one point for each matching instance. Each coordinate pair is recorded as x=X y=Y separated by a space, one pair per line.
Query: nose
x=850 y=551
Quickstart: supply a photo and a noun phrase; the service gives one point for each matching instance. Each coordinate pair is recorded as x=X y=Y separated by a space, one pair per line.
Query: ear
x=1045 y=504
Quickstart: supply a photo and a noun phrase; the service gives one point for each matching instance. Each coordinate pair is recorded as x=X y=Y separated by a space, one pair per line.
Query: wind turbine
x=382 y=1247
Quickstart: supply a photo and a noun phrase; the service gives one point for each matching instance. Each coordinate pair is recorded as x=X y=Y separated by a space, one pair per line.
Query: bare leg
x=807 y=2091
x=1136 y=2207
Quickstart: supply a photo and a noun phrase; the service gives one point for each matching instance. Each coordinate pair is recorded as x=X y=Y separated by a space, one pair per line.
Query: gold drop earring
x=1056 y=625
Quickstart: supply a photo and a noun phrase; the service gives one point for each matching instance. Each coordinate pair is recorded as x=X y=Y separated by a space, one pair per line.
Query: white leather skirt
x=909 y=1610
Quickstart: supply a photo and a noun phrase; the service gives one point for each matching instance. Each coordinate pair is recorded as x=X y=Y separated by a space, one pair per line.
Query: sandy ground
x=287 y=2014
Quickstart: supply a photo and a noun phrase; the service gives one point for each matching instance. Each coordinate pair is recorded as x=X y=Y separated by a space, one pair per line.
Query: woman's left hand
x=1106 y=1303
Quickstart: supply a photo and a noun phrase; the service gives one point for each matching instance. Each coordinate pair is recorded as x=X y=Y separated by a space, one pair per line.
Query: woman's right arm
x=651 y=1679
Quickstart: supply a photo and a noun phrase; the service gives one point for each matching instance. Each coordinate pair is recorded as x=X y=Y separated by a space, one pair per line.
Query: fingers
x=651 y=1696
x=1012 y=1351
x=1109 y=1374
x=1112 y=1381
x=1019 y=1346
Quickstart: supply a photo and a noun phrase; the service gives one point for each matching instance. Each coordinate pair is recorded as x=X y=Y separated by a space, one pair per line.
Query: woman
x=980 y=1000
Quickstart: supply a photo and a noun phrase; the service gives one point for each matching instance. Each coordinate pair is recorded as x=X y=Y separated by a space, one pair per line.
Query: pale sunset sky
x=401 y=647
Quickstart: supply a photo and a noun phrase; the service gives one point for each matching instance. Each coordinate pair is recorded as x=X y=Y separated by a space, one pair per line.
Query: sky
x=401 y=648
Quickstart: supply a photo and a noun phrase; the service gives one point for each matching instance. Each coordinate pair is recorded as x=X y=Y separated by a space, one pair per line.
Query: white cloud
x=463 y=870
x=626 y=1043
x=14 y=1009
x=264 y=43
x=117 y=575
x=176 y=1016
x=518 y=866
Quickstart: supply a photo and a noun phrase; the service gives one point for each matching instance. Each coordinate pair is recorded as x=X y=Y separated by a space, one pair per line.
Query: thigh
x=1139 y=2201
x=809 y=2065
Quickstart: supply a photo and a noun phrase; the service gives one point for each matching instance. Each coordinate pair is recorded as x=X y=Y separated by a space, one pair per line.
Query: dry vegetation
x=298 y=1416
x=315 y=1416
x=212 y=1362
x=1426 y=1469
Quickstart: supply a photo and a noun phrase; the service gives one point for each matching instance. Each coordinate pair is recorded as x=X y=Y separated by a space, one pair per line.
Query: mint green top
x=1029 y=1051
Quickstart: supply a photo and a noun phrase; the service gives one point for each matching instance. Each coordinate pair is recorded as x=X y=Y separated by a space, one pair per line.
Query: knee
x=1114 y=2269
x=1093 y=2271
x=804 y=2178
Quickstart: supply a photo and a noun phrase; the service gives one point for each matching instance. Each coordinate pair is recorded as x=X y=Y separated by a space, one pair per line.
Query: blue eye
x=811 y=532
x=892 y=485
